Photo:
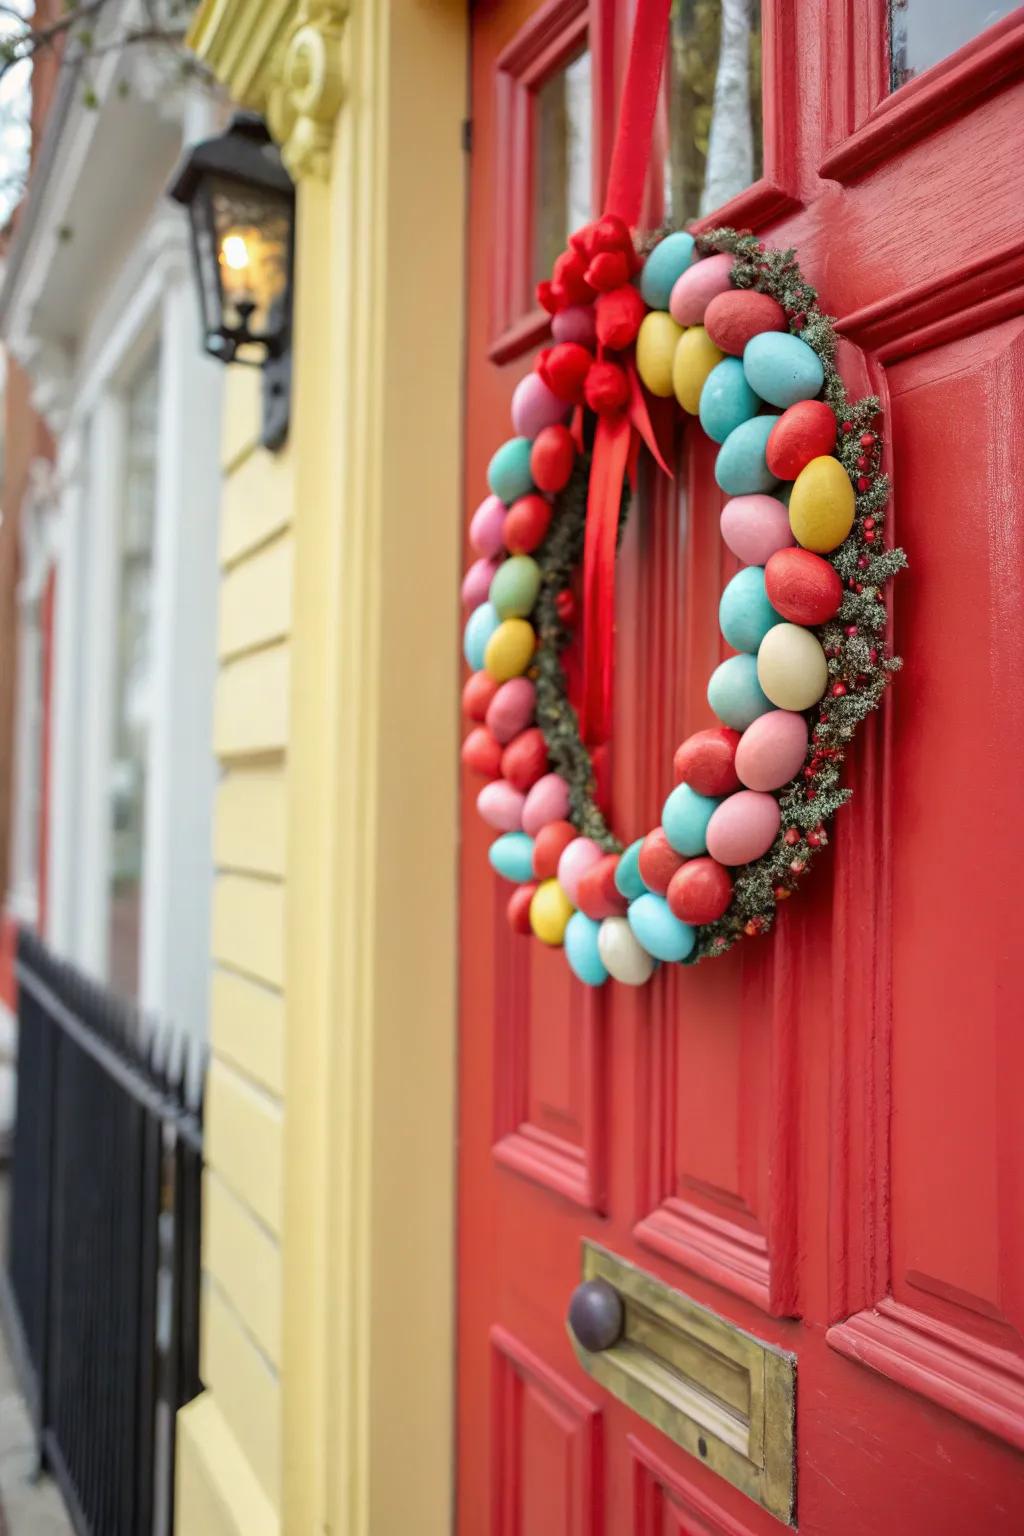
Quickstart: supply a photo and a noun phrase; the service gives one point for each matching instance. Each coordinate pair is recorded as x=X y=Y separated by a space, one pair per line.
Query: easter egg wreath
x=730 y=331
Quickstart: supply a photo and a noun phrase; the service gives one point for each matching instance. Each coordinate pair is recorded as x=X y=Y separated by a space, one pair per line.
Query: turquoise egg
x=627 y=872
x=684 y=819
x=735 y=694
x=744 y=614
x=782 y=369
x=657 y=928
x=480 y=626
x=508 y=473
x=740 y=468
x=726 y=400
x=667 y=262
x=514 y=587
x=581 y=949
x=511 y=856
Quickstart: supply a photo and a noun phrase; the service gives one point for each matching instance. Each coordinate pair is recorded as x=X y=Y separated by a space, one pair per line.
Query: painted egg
x=597 y=894
x=733 y=318
x=740 y=467
x=707 y=761
x=735 y=694
x=477 y=695
x=791 y=667
x=552 y=458
x=548 y=846
x=525 y=759
x=550 y=911
x=744 y=613
x=577 y=322
x=743 y=827
x=754 y=527
x=548 y=800
x=782 y=369
x=508 y=473
x=685 y=816
x=628 y=880
x=621 y=953
x=658 y=861
x=726 y=399
x=511 y=856
x=501 y=806
x=511 y=709
x=698 y=285
x=576 y=859
x=535 y=406
x=700 y=891
x=510 y=649
x=658 y=930
x=803 y=433
x=656 y=344
x=481 y=753
x=664 y=267
x=518 y=909
x=480 y=626
x=803 y=587
x=526 y=524
x=515 y=586
x=695 y=357
x=476 y=584
x=486 y=525
x=822 y=505
x=772 y=750
x=582 y=952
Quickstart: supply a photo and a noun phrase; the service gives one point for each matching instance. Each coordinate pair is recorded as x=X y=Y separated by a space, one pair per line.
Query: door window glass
x=711 y=127
x=921 y=32
x=562 y=161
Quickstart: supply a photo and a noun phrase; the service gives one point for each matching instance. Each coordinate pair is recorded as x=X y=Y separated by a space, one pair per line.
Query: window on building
x=922 y=32
x=562 y=161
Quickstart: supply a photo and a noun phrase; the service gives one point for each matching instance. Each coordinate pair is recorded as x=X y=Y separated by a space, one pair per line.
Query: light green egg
x=514 y=587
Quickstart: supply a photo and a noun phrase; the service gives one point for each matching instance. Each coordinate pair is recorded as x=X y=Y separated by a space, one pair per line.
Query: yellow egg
x=550 y=910
x=821 y=506
x=656 y=345
x=696 y=355
x=791 y=667
x=510 y=650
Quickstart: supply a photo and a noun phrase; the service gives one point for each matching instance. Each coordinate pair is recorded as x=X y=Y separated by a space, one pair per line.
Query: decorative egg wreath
x=730 y=330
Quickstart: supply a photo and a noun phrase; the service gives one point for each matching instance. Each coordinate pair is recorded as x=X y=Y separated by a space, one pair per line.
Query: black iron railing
x=102 y=1288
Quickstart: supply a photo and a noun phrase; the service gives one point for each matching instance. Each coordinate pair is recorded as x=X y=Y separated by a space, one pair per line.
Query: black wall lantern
x=241 y=202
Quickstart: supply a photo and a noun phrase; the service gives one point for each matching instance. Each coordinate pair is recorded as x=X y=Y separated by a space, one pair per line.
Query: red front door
x=817 y=1137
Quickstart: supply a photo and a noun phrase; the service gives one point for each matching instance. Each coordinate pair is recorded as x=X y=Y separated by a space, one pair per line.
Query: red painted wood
x=819 y=1135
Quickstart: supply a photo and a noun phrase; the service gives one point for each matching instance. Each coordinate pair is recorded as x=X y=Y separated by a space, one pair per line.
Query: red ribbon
x=617 y=438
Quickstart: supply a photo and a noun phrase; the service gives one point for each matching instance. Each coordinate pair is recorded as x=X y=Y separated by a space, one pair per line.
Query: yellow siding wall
x=229 y=1461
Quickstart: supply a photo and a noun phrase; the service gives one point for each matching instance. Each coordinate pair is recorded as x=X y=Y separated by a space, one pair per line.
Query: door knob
x=596 y=1315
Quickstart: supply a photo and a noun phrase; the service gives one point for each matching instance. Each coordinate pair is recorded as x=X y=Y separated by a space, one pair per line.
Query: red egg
x=658 y=861
x=803 y=587
x=481 y=753
x=525 y=759
x=526 y=524
x=706 y=761
x=478 y=691
x=518 y=909
x=551 y=459
x=805 y=432
x=597 y=894
x=700 y=891
x=732 y=318
x=549 y=845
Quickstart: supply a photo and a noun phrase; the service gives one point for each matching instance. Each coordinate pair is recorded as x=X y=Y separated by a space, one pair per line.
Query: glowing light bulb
x=235 y=253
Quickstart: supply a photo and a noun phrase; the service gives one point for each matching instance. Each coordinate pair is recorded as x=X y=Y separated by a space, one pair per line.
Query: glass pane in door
x=561 y=161
x=921 y=32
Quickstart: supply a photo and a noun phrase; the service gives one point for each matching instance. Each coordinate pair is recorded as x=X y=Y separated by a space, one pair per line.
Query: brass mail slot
x=724 y=1396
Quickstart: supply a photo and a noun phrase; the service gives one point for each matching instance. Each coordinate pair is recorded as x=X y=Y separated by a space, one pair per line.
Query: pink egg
x=501 y=806
x=547 y=801
x=580 y=855
x=511 y=709
x=477 y=582
x=699 y=284
x=577 y=323
x=754 y=527
x=485 y=528
x=742 y=828
x=772 y=750
x=535 y=407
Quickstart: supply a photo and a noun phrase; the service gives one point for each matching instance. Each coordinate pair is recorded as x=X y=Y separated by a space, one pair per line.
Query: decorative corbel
x=312 y=88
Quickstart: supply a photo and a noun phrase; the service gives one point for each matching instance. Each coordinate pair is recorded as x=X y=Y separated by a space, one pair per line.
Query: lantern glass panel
x=250 y=230
x=211 y=302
